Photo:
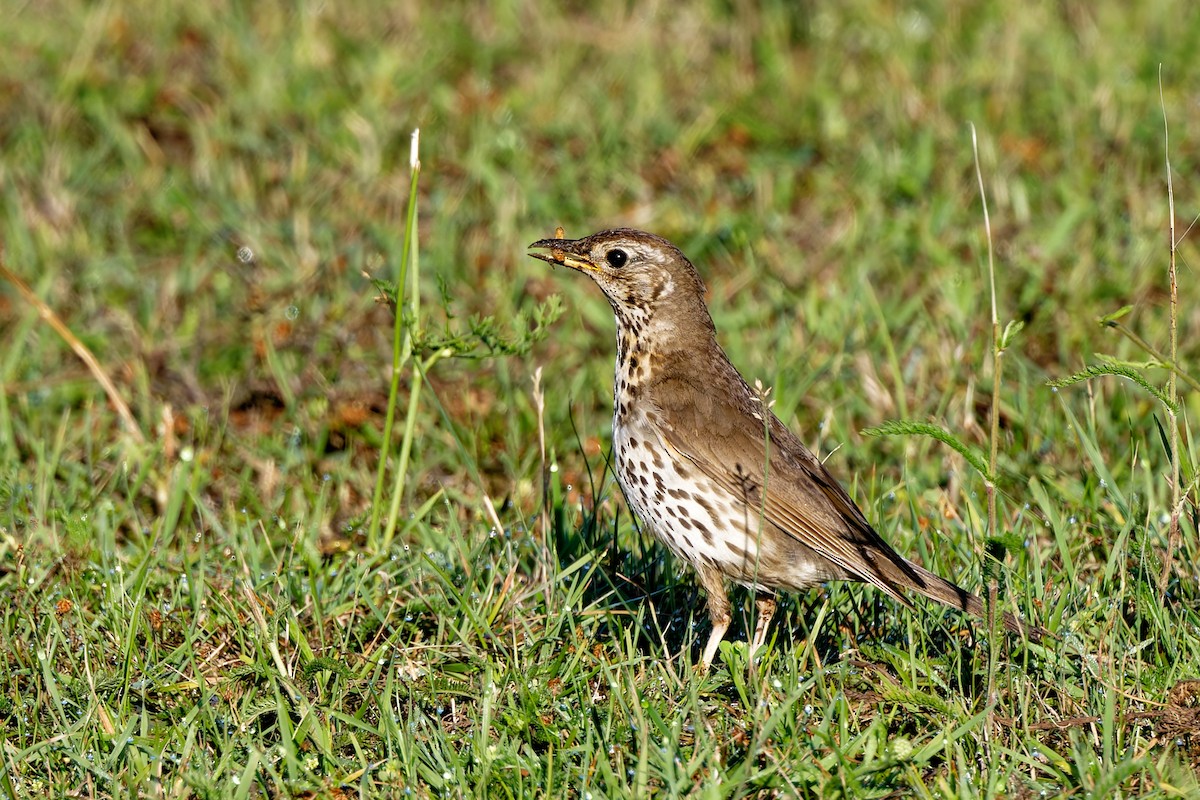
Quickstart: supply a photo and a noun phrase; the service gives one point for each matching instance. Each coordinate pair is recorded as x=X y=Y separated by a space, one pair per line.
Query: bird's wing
x=720 y=430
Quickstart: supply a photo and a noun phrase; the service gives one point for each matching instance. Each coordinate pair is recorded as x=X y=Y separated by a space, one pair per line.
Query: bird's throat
x=631 y=373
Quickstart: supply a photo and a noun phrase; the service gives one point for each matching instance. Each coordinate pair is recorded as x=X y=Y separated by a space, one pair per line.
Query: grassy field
x=215 y=600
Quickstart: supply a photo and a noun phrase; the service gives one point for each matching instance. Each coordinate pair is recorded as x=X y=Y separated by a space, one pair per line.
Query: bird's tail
x=937 y=588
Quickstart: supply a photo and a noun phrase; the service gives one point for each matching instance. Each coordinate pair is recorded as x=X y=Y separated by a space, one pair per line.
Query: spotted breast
x=715 y=530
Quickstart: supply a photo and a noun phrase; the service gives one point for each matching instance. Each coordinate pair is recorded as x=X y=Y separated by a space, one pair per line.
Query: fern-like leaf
x=910 y=428
x=1098 y=370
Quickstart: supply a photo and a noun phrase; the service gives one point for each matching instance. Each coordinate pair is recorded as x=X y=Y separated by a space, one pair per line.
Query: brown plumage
x=693 y=452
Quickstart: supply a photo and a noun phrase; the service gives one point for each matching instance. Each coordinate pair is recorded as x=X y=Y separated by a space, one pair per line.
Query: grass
x=196 y=192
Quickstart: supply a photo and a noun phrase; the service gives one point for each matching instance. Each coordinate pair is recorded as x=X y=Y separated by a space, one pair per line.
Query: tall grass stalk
x=993 y=619
x=408 y=306
x=1172 y=378
x=539 y=406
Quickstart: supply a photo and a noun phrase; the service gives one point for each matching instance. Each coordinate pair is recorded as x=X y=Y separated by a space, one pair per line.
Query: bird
x=708 y=467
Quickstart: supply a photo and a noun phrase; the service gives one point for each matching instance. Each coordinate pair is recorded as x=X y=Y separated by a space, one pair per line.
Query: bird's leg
x=765 y=604
x=718 y=613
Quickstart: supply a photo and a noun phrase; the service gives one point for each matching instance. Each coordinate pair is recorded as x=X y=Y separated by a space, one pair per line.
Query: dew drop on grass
x=245 y=255
x=292 y=312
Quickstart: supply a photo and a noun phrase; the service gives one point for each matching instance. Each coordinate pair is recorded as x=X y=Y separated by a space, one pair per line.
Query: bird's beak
x=567 y=252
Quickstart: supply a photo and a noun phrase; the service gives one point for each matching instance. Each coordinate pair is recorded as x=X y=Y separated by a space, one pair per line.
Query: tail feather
x=935 y=587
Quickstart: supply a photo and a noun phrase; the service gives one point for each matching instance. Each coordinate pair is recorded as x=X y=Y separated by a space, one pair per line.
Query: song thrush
x=705 y=464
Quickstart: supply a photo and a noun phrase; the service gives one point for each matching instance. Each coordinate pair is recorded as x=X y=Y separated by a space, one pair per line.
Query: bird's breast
x=699 y=521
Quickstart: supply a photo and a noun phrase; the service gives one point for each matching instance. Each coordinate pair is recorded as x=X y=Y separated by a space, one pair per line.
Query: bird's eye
x=617 y=258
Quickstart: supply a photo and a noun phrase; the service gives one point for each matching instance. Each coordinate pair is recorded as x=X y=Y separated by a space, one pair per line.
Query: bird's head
x=643 y=275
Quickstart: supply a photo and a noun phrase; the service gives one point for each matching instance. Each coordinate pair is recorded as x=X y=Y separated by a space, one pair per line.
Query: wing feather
x=802 y=498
